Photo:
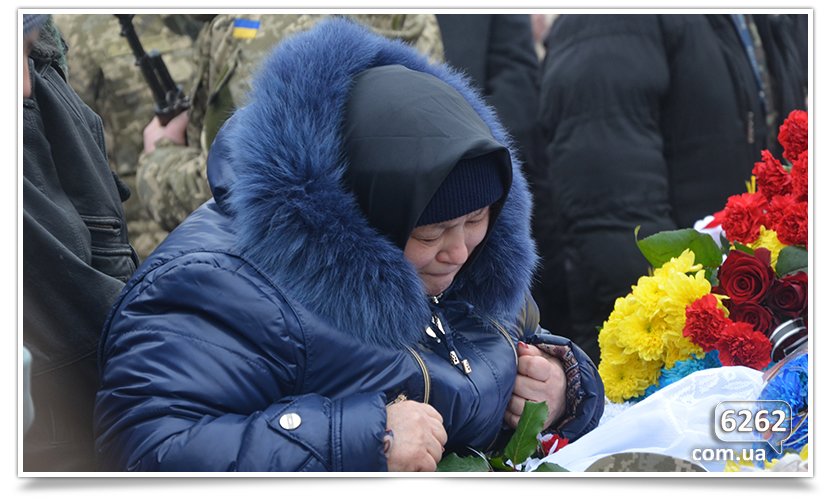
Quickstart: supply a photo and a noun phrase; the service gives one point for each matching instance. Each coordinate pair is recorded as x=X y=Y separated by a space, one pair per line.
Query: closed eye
x=428 y=238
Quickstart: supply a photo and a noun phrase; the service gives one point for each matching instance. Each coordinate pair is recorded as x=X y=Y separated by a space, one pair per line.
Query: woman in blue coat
x=354 y=297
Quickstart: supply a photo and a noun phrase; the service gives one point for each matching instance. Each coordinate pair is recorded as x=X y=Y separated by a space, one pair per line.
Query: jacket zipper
x=425 y=371
x=400 y=398
x=437 y=332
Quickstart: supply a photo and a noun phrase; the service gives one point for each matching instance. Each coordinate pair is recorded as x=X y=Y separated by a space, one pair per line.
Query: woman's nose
x=455 y=250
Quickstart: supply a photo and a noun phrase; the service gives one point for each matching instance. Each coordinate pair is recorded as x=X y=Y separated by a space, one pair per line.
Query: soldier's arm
x=172 y=182
x=170 y=177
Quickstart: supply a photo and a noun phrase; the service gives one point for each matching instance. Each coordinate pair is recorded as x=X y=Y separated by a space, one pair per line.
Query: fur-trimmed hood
x=277 y=168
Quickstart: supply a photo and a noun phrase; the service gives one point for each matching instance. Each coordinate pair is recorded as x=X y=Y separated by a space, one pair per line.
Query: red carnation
x=794 y=134
x=741 y=345
x=746 y=278
x=705 y=322
x=742 y=217
x=772 y=178
x=788 y=295
x=793 y=226
x=777 y=207
x=760 y=318
x=800 y=177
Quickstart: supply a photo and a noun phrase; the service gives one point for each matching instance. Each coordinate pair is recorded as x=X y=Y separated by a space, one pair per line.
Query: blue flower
x=681 y=369
x=791 y=385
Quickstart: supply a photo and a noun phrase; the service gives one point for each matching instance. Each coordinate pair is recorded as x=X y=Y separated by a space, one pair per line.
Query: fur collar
x=297 y=221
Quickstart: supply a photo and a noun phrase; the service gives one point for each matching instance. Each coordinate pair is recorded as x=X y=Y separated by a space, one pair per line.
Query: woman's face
x=438 y=251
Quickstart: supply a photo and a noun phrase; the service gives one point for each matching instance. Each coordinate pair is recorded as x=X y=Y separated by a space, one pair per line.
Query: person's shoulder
x=203 y=250
x=422 y=31
x=250 y=28
x=87 y=33
x=208 y=229
x=237 y=44
x=584 y=25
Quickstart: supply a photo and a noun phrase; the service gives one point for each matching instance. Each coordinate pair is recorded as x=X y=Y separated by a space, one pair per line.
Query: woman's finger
x=512 y=420
x=516 y=405
x=436 y=450
x=527 y=350
x=538 y=368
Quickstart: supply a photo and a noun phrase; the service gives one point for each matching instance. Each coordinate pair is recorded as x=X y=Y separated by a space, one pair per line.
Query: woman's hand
x=540 y=378
x=418 y=436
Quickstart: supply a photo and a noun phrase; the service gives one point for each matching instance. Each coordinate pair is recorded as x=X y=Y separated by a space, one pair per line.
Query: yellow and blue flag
x=245 y=28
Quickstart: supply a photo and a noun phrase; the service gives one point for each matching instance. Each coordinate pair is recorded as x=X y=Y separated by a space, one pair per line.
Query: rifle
x=169 y=99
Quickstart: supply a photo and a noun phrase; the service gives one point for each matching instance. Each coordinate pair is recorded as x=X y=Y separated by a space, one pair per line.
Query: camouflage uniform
x=103 y=73
x=172 y=179
x=644 y=462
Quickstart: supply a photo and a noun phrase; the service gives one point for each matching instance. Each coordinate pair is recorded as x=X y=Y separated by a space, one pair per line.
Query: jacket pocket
x=109 y=249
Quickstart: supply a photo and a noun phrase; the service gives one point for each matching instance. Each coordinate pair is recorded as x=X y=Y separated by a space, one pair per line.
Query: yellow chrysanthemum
x=624 y=307
x=768 y=240
x=679 y=291
x=645 y=297
x=644 y=330
x=611 y=348
x=684 y=263
x=680 y=348
x=637 y=336
x=630 y=379
x=682 y=289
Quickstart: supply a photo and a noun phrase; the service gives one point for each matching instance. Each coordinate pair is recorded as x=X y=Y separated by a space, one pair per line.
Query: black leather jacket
x=76 y=258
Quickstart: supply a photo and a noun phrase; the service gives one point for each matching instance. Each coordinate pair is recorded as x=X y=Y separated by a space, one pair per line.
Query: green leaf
x=792 y=259
x=454 y=463
x=659 y=248
x=726 y=245
x=745 y=249
x=551 y=467
x=523 y=442
x=712 y=276
x=498 y=464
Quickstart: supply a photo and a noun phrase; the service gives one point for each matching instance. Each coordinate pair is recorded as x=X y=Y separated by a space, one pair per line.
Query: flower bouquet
x=742 y=302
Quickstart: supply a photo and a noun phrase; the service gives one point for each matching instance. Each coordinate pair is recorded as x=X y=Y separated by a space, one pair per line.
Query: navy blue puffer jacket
x=270 y=330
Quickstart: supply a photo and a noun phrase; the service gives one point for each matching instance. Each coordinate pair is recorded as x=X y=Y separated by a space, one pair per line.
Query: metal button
x=290 y=421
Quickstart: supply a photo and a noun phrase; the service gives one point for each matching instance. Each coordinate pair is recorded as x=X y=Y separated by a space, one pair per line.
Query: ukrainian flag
x=245 y=28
